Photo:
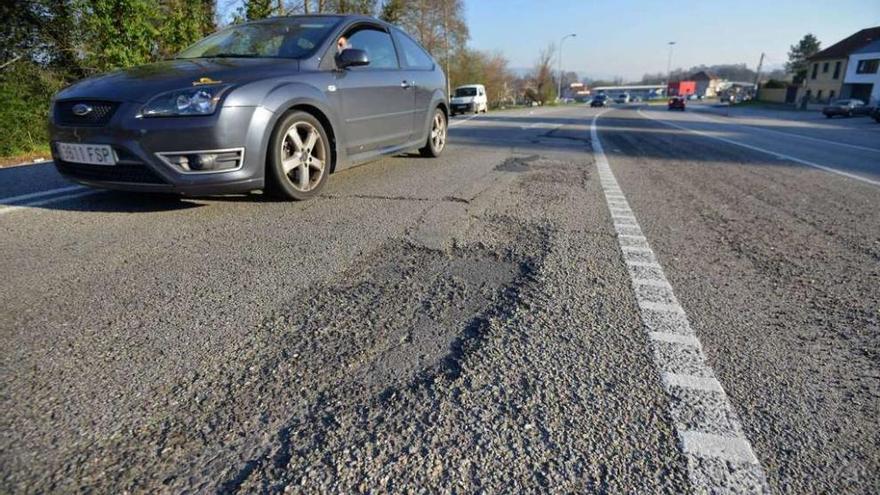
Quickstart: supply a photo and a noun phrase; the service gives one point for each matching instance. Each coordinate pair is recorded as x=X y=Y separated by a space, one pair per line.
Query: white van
x=470 y=98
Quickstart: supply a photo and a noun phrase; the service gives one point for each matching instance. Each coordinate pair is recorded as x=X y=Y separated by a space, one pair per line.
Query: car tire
x=436 y=142
x=299 y=158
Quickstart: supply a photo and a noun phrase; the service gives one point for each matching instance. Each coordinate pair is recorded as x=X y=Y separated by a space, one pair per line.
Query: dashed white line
x=710 y=445
x=675 y=338
x=762 y=150
x=692 y=382
x=660 y=307
x=716 y=463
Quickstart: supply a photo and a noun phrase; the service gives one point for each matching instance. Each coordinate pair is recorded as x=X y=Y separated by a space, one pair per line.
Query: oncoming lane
x=854 y=161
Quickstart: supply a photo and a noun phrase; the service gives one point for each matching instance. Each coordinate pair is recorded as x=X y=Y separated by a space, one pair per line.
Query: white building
x=862 y=79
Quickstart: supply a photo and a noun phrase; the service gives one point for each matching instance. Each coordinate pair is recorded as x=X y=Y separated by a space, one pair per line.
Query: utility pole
x=559 y=91
x=446 y=41
x=758 y=72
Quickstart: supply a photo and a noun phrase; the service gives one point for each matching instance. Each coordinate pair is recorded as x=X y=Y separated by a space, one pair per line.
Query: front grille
x=121 y=172
x=101 y=113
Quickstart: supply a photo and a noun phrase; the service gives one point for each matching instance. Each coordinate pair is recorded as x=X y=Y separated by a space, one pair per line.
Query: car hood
x=141 y=83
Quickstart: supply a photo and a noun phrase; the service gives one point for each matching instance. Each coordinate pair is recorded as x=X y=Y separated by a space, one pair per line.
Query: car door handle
x=407 y=85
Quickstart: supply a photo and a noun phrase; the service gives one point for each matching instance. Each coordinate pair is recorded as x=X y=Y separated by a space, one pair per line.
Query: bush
x=25 y=90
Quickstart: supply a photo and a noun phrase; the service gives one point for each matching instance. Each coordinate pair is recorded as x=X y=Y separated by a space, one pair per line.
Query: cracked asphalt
x=465 y=324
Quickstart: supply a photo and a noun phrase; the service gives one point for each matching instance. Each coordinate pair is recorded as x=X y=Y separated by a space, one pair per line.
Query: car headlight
x=201 y=100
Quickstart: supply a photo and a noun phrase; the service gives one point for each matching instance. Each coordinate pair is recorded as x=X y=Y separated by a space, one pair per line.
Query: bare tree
x=542 y=75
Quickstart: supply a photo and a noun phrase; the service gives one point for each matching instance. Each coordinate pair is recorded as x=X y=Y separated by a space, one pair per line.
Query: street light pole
x=669 y=67
x=559 y=91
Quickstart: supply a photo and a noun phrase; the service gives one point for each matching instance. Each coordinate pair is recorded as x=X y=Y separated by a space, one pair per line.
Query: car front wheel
x=299 y=160
x=437 y=136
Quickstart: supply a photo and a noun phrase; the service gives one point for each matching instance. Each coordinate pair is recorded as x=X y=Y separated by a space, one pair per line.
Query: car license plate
x=93 y=154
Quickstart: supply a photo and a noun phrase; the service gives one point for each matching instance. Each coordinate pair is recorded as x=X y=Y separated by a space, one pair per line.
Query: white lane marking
x=462 y=121
x=653 y=282
x=674 y=338
x=740 y=471
x=9 y=209
x=23 y=197
x=710 y=445
x=660 y=307
x=792 y=134
x=692 y=382
x=762 y=150
x=637 y=249
x=647 y=264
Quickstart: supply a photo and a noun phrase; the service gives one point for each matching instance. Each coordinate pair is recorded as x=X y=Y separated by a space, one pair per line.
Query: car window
x=465 y=92
x=276 y=38
x=413 y=55
x=378 y=45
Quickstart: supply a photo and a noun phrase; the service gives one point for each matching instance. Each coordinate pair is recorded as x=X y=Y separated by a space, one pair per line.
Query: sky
x=630 y=38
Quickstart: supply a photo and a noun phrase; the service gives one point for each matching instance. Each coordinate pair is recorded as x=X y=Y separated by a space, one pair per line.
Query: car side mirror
x=352 y=57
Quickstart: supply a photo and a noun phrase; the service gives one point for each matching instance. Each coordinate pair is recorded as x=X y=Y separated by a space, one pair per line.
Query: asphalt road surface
x=569 y=300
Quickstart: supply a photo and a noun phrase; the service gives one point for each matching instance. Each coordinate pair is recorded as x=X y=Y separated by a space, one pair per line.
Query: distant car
x=600 y=101
x=635 y=99
x=693 y=97
x=846 y=108
x=622 y=98
x=469 y=99
x=676 y=103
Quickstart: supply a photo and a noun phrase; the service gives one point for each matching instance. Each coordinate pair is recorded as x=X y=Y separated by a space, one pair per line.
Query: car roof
x=341 y=17
x=469 y=86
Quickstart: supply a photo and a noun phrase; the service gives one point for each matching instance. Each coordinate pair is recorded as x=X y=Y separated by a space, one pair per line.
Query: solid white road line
x=462 y=121
x=9 y=209
x=792 y=134
x=762 y=150
x=23 y=197
x=716 y=463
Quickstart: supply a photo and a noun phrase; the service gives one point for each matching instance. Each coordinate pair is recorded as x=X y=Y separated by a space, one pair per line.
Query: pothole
x=516 y=164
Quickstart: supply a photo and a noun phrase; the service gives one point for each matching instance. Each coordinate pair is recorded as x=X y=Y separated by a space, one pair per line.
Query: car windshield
x=466 y=92
x=295 y=37
x=841 y=102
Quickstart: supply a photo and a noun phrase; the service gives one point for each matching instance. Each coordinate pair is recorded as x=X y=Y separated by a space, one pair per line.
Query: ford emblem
x=81 y=109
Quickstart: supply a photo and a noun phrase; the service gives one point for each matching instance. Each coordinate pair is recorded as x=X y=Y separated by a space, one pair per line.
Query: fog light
x=204 y=161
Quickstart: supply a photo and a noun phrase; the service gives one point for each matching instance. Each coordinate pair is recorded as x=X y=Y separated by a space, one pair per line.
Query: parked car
x=676 y=103
x=846 y=108
x=875 y=114
x=600 y=101
x=469 y=99
x=622 y=98
x=274 y=104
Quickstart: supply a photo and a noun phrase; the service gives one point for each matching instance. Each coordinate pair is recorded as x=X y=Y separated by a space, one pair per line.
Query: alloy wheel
x=303 y=156
x=438 y=132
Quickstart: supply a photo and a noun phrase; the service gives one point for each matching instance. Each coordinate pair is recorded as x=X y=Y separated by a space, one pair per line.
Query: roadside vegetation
x=47 y=44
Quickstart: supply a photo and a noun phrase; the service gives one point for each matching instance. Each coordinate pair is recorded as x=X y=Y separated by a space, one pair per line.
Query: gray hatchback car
x=275 y=104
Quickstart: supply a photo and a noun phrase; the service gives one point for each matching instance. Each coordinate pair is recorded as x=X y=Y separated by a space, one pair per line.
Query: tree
x=257 y=9
x=120 y=33
x=542 y=75
x=798 y=54
x=393 y=10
